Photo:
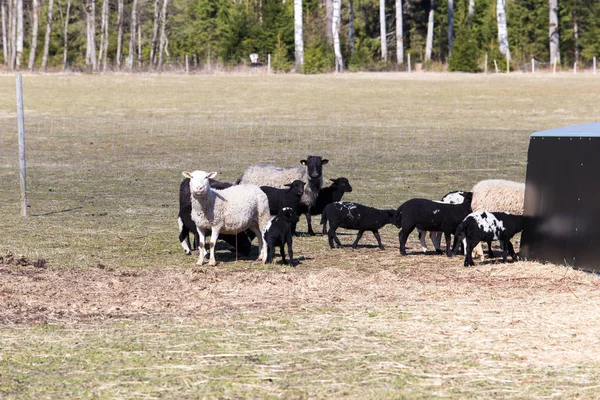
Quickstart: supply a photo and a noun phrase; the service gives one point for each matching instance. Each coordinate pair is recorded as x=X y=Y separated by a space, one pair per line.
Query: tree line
x=308 y=36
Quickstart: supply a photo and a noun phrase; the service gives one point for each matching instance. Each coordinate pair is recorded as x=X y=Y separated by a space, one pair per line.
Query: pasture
x=119 y=311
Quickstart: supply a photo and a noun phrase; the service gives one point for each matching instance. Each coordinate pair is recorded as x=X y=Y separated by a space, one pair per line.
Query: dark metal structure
x=562 y=197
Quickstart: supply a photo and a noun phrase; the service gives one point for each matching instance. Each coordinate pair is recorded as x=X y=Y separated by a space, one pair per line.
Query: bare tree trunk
x=131 y=55
x=450 y=25
x=335 y=30
x=382 y=30
x=90 y=53
x=66 y=35
x=553 y=32
x=399 y=33
x=502 y=29
x=154 y=45
x=471 y=10
x=12 y=45
x=163 y=35
x=298 y=35
x=351 y=25
x=119 y=32
x=4 y=39
x=329 y=21
x=575 y=32
x=139 y=43
x=429 y=43
x=103 y=36
x=19 y=38
x=34 y=33
x=47 y=35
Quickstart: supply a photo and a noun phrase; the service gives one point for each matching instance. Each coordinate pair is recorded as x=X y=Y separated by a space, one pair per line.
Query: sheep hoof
x=212 y=262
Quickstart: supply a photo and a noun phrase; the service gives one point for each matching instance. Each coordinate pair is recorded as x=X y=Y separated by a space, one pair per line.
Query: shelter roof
x=583 y=130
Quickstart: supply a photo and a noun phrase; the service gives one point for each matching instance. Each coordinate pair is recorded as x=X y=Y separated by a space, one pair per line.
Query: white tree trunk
x=163 y=34
x=12 y=45
x=471 y=10
x=450 y=25
x=399 y=33
x=351 y=25
x=335 y=30
x=66 y=35
x=382 y=30
x=429 y=43
x=119 y=55
x=47 y=35
x=132 y=34
x=154 y=45
x=34 y=33
x=553 y=32
x=19 y=39
x=4 y=31
x=139 y=44
x=502 y=29
x=90 y=9
x=103 y=36
x=329 y=21
x=298 y=35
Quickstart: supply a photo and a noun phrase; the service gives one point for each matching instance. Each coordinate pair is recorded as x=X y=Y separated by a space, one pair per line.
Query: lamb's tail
x=397 y=221
x=324 y=221
x=458 y=235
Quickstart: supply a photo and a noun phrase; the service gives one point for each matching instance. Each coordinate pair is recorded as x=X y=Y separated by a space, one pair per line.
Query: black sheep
x=278 y=232
x=354 y=216
x=485 y=226
x=429 y=215
x=280 y=198
x=326 y=196
x=241 y=241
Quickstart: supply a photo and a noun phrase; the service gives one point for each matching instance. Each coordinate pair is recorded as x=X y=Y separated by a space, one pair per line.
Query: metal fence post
x=21 y=127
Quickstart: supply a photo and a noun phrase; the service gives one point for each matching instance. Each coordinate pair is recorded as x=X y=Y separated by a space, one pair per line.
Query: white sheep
x=310 y=171
x=498 y=195
x=230 y=210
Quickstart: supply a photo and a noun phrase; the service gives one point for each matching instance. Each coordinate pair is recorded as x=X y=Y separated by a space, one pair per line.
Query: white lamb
x=498 y=195
x=230 y=210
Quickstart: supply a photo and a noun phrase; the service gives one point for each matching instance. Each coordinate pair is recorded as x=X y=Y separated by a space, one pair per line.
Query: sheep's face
x=199 y=181
x=296 y=187
x=342 y=184
x=314 y=166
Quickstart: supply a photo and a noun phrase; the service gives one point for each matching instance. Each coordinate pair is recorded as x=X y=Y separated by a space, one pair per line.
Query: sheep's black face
x=314 y=166
x=289 y=215
x=342 y=184
x=296 y=187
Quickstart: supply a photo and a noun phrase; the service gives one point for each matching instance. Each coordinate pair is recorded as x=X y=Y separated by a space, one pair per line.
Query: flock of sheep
x=266 y=202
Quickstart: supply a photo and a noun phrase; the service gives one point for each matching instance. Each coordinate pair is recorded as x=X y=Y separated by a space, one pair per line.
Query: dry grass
x=99 y=301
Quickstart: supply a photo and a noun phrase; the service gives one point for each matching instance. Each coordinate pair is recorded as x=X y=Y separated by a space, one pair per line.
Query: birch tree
x=329 y=34
x=335 y=30
x=66 y=35
x=399 y=33
x=553 y=32
x=47 y=35
x=4 y=30
x=450 y=25
x=19 y=37
x=351 y=25
x=471 y=10
x=154 y=44
x=12 y=41
x=502 y=29
x=34 y=33
x=429 y=43
x=382 y=30
x=102 y=54
x=131 y=55
x=90 y=51
x=298 y=35
x=119 y=55
x=163 y=33
x=575 y=33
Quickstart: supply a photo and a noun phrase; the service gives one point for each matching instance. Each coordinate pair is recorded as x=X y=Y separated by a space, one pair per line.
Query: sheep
x=310 y=171
x=487 y=226
x=240 y=242
x=288 y=197
x=278 y=232
x=456 y=197
x=354 y=216
x=498 y=195
x=429 y=215
x=326 y=196
x=230 y=210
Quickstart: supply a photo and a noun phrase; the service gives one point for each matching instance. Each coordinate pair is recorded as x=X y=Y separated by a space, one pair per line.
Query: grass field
x=118 y=311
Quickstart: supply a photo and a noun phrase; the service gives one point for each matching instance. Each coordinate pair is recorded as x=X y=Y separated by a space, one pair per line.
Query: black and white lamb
x=455 y=197
x=350 y=215
x=278 y=232
x=327 y=195
x=429 y=215
x=485 y=226
x=231 y=210
x=310 y=171
x=240 y=242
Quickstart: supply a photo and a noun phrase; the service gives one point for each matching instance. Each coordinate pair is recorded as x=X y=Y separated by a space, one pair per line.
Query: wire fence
x=77 y=162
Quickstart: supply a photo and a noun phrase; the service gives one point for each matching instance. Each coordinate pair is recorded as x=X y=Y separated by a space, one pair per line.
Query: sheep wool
x=499 y=195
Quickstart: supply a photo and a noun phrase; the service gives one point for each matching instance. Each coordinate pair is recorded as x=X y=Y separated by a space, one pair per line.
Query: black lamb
x=326 y=196
x=278 y=232
x=354 y=216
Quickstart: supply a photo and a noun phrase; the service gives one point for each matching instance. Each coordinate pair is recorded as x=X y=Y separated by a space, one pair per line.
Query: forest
x=308 y=36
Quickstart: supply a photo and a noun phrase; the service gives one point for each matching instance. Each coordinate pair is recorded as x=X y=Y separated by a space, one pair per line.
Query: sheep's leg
x=308 y=222
x=376 y=233
x=358 y=236
x=290 y=251
x=469 y=254
x=511 y=250
x=436 y=239
x=332 y=236
x=478 y=250
x=184 y=237
x=262 y=248
x=422 y=234
x=282 y=252
x=448 y=237
x=214 y=235
x=403 y=237
x=201 y=247
x=490 y=252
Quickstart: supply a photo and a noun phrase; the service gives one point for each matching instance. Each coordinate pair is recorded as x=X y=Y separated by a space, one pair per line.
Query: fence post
x=187 y=65
x=532 y=65
x=486 y=62
x=21 y=127
x=594 y=65
x=575 y=67
x=507 y=62
x=496 y=66
x=408 y=62
x=554 y=66
x=269 y=64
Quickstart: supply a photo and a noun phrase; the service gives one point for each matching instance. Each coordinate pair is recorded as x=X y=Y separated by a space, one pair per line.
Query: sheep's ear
x=288 y=185
x=211 y=175
x=324 y=161
x=303 y=162
x=186 y=174
x=333 y=180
